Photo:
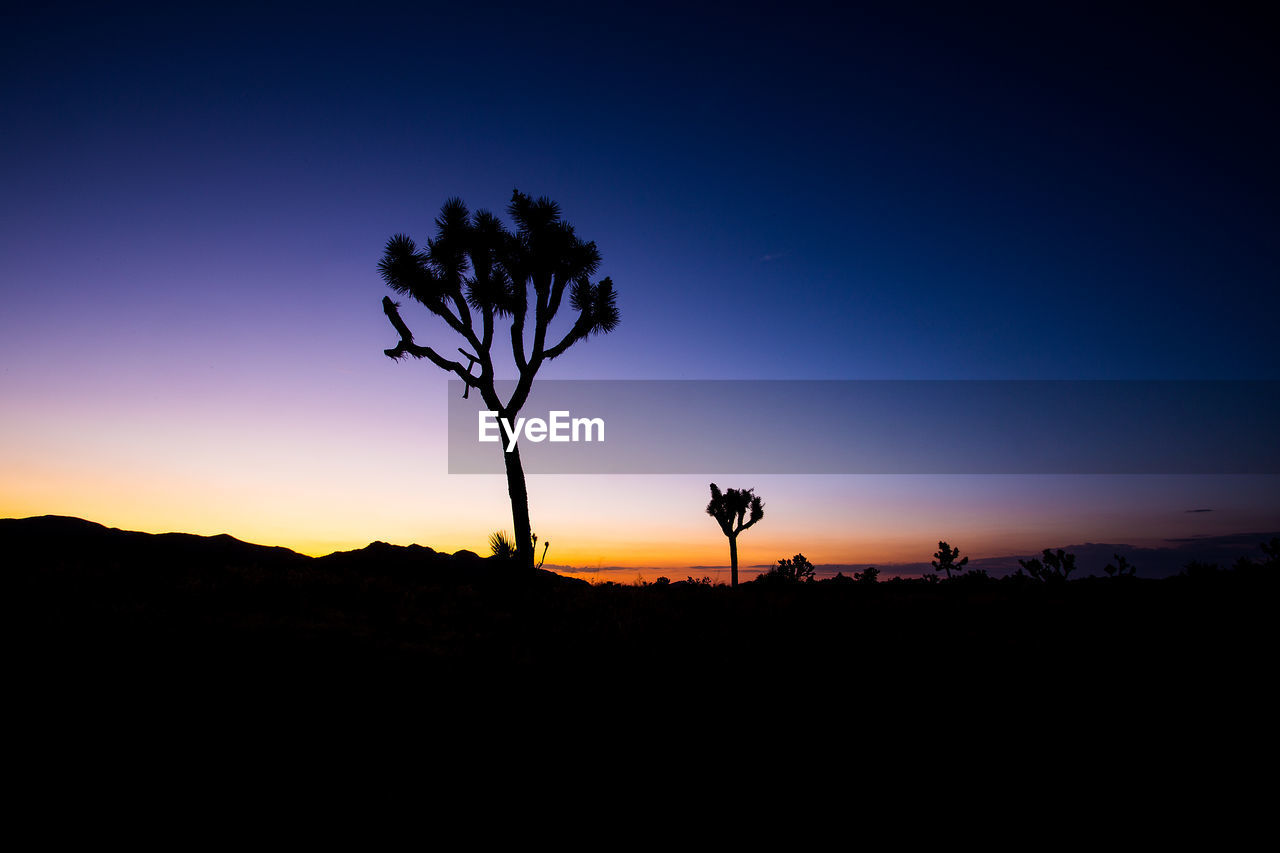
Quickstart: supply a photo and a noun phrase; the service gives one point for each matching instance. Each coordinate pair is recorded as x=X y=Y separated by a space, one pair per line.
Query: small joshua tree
x=729 y=509
x=945 y=560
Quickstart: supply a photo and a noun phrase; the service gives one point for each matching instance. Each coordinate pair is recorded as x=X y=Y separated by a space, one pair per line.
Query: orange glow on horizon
x=335 y=494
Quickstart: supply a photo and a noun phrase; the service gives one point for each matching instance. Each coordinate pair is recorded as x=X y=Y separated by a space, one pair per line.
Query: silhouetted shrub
x=1054 y=568
x=868 y=575
x=1271 y=550
x=795 y=570
x=1121 y=569
x=1270 y=565
x=973 y=577
x=1200 y=570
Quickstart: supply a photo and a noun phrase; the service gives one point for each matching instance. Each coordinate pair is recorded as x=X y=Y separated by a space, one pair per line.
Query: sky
x=195 y=200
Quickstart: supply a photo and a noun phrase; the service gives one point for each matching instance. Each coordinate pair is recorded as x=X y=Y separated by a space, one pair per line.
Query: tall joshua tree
x=729 y=509
x=476 y=275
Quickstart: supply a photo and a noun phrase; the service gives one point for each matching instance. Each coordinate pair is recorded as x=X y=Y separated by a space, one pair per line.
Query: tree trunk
x=733 y=559
x=519 y=506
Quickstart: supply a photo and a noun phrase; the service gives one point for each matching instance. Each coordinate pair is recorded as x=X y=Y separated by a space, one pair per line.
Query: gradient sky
x=194 y=202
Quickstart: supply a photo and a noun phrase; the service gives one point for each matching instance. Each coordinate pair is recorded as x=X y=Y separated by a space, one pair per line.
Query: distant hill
x=63 y=540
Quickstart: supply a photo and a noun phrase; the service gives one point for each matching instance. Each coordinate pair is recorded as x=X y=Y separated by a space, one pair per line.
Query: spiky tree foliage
x=1053 y=568
x=730 y=509
x=477 y=275
x=501 y=546
x=945 y=560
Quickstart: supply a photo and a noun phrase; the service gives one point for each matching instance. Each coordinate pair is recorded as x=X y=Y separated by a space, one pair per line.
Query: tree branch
x=464 y=317
x=577 y=333
x=466 y=330
x=517 y=341
x=557 y=293
x=524 y=385
x=540 y=320
x=408 y=347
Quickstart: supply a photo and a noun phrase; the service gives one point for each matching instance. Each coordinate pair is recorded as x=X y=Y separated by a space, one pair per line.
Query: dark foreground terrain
x=104 y=615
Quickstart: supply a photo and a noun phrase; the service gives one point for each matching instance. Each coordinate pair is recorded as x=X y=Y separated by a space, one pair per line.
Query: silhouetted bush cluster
x=1054 y=568
x=795 y=569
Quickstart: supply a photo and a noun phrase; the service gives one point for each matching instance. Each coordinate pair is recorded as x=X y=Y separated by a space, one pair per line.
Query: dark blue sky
x=195 y=199
x=888 y=190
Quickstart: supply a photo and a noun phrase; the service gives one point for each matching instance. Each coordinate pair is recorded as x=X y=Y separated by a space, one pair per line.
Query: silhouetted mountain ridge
x=91 y=599
x=55 y=540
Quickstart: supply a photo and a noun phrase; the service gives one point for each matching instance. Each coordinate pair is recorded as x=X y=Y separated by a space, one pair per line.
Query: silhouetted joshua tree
x=1121 y=569
x=476 y=275
x=729 y=509
x=1054 y=568
x=945 y=560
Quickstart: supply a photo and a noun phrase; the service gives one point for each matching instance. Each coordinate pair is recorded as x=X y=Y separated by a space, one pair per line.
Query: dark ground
x=113 y=619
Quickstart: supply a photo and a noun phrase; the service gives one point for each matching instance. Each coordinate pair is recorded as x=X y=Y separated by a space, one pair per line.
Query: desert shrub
x=794 y=570
x=1053 y=568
